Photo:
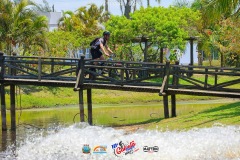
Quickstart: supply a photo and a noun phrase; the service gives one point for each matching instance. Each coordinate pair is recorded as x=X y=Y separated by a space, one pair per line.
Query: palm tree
x=91 y=18
x=66 y=21
x=19 y=25
x=217 y=8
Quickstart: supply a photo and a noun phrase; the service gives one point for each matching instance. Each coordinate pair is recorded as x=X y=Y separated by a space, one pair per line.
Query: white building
x=53 y=18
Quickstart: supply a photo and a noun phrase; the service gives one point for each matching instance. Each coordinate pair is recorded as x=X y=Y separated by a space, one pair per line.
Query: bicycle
x=100 y=70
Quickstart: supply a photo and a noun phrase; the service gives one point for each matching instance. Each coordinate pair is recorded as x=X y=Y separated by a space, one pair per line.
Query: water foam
x=218 y=142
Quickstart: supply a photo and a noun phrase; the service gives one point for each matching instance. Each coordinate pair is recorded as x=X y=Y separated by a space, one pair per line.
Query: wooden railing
x=169 y=78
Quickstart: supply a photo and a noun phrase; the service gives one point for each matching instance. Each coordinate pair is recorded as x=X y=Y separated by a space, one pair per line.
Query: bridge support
x=81 y=105
x=173 y=102
x=3 y=108
x=165 y=105
x=89 y=101
x=13 y=107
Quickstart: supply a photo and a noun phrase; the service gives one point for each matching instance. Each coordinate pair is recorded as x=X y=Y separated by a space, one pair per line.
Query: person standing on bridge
x=99 y=46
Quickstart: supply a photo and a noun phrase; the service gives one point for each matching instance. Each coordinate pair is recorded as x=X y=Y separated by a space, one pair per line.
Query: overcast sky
x=114 y=8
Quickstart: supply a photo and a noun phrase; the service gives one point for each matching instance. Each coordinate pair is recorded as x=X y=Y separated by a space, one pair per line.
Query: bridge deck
x=151 y=89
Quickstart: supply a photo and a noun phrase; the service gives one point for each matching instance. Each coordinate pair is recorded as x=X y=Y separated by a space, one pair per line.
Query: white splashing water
x=218 y=142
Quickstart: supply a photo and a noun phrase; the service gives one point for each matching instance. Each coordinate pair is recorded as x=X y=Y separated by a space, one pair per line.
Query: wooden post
x=161 y=55
x=81 y=103
x=3 y=108
x=13 y=140
x=164 y=88
x=52 y=65
x=216 y=77
x=13 y=107
x=191 y=50
x=12 y=99
x=4 y=140
x=173 y=102
x=175 y=85
x=39 y=68
x=3 y=102
x=206 y=78
x=145 y=50
x=89 y=101
x=122 y=73
x=165 y=104
x=2 y=65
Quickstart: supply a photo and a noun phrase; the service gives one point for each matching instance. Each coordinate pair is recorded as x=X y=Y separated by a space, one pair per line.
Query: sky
x=114 y=8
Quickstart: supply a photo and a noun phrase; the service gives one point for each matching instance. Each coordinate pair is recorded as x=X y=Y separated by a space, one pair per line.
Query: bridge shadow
x=34 y=89
x=153 y=120
x=224 y=112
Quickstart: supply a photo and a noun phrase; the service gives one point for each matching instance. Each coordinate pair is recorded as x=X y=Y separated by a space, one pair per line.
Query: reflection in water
x=218 y=142
x=4 y=140
x=8 y=142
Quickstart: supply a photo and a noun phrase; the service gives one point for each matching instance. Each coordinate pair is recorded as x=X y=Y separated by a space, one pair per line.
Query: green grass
x=201 y=116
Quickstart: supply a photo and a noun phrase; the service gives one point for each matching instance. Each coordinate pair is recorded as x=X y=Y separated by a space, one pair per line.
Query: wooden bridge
x=80 y=74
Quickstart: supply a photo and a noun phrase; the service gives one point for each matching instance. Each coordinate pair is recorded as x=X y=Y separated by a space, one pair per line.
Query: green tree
x=91 y=17
x=66 y=22
x=21 y=26
x=64 y=43
x=162 y=26
x=43 y=7
x=217 y=8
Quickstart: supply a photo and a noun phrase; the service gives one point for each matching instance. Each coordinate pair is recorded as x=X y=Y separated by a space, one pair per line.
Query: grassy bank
x=189 y=115
x=42 y=97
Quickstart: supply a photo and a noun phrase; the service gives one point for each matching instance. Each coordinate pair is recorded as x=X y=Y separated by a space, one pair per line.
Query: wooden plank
x=20 y=69
x=203 y=93
x=225 y=84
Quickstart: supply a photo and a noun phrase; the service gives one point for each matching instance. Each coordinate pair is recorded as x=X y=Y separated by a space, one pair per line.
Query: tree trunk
x=127 y=9
x=106 y=5
x=148 y=3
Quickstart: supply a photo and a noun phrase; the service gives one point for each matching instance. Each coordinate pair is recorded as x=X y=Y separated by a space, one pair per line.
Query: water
x=66 y=143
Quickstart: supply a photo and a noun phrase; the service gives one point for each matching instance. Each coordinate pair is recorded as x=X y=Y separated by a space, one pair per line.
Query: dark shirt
x=96 y=45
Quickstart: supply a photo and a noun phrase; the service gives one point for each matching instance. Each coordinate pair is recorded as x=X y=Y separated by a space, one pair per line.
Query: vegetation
x=215 y=22
x=21 y=27
x=205 y=115
x=25 y=32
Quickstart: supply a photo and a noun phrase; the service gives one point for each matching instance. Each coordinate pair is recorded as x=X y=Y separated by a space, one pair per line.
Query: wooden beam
x=165 y=106
x=173 y=102
x=3 y=108
x=89 y=101
x=39 y=68
x=13 y=107
x=81 y=105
